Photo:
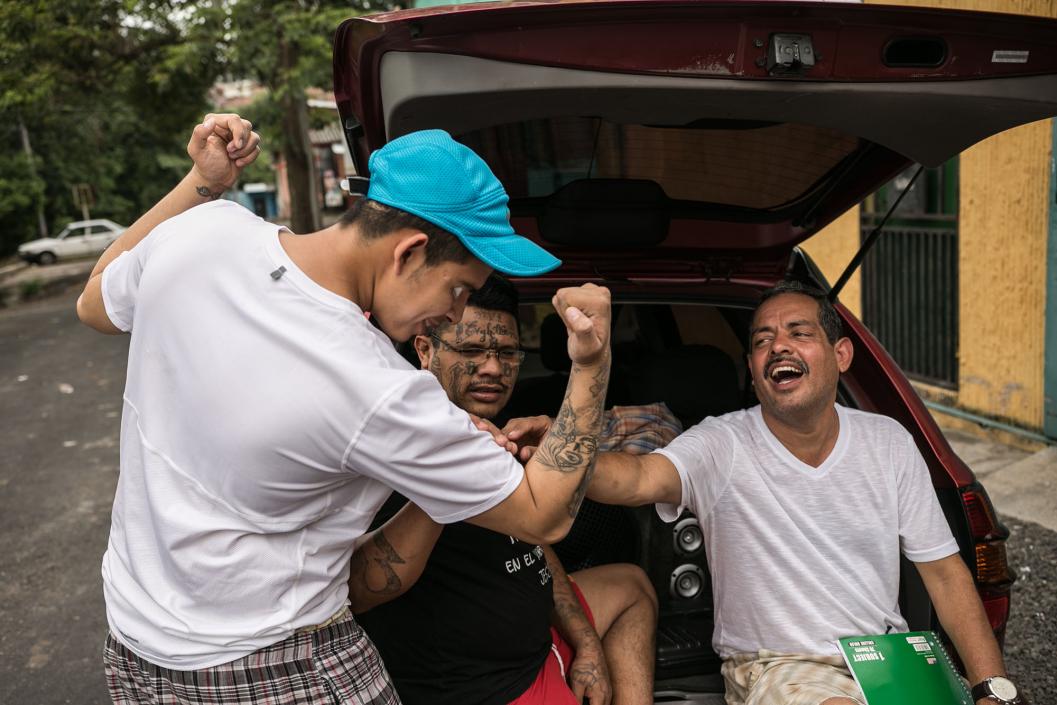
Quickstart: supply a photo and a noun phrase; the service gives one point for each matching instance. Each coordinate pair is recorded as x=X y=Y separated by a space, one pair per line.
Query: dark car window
x=749 y=165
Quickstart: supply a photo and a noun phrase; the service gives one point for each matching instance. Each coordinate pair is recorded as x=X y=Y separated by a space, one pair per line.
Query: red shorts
x=550 y=686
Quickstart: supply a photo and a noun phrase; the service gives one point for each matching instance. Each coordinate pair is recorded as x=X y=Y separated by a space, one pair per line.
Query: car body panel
x=466 y=68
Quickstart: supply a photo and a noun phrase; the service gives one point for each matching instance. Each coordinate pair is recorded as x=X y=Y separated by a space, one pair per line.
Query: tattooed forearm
x=581 y=490
x=572 y=441
x=569 y=442
x=389 y=560
x=568 y=616
x=588 y=670
x=375 y=561
x=204 y=192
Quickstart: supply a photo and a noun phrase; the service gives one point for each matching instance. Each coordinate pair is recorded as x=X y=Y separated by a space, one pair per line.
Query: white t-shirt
x=802 y=556
x=264 y=422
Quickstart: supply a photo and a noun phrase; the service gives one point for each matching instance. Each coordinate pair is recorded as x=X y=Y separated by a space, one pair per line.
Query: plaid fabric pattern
x=770 y=678
x=638 y=429
x=335 y=663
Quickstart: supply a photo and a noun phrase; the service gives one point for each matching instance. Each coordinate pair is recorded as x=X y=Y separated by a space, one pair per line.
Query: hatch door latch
x=790 y=55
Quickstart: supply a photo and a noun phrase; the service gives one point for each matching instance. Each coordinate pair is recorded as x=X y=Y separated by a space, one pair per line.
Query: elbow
x=87 y=315
x=94 y=315
x=82 y=312
x=555 y=531
x=358 y=604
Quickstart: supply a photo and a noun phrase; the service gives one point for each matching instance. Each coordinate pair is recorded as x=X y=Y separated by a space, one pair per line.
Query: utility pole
x=32 y=170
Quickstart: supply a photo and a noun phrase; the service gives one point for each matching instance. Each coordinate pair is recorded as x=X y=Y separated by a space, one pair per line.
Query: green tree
x=286 y=47
x=108 y=90
x=89 y=81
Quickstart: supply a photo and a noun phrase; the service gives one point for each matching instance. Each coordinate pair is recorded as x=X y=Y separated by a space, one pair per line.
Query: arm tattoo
x=568 y=443
x=581 y=490
x=382 y=557
x=204 y=192
x=572 y=441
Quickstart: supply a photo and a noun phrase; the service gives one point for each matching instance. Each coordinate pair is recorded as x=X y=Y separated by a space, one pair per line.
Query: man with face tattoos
x=475 y=628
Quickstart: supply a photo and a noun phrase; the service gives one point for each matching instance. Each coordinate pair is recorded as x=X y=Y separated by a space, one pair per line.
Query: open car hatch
x=696 y=127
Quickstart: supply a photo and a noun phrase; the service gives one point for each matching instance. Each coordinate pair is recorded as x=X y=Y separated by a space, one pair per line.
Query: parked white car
x=78 y=239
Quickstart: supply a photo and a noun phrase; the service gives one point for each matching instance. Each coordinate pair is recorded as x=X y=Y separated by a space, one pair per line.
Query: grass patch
x=29 y=289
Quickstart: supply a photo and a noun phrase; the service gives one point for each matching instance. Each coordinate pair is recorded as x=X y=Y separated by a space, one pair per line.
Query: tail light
x=978 y=509
x=991 y=569
x=991 y=565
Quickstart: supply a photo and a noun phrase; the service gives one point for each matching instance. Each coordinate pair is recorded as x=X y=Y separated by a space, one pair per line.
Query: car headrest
x=554 y=344
x=695 y=381
x=608 y=212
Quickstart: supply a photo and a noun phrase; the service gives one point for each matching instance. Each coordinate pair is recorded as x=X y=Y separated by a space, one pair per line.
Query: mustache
x=785 y=360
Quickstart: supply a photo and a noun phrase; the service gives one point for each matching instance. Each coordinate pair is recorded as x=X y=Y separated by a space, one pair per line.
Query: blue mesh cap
x=430 y=175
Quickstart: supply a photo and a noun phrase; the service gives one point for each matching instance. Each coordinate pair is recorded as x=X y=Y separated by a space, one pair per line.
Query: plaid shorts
x=769 y=678
x=335 y=663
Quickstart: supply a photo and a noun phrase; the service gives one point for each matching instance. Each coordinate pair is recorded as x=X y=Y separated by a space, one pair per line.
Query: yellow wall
x=1002 y=233
x=1002 y=230
x=832 y=249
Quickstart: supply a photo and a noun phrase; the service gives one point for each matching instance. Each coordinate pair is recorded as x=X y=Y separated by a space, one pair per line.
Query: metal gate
x=910 y=278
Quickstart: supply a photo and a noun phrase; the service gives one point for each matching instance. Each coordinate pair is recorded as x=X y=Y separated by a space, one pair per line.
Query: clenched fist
x=586 y=313
x=221 y=146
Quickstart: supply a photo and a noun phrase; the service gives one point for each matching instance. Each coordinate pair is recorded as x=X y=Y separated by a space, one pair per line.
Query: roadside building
x=962 y=286
x=271 y=199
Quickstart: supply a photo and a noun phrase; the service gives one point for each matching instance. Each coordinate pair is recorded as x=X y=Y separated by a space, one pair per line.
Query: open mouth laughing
x=786 y=373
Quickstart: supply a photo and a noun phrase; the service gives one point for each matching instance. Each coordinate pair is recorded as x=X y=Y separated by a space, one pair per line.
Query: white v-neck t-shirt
x=264 y=421
x=802 y=556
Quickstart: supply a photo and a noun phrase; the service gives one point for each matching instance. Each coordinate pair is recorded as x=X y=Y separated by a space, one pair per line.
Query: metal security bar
x=910 y=296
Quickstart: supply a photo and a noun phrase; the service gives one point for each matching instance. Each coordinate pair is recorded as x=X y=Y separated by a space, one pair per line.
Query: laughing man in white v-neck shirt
x=805 y=507
x=266 y=418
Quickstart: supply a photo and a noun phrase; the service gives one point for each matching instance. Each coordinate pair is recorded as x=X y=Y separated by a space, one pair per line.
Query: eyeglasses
x=511 y=356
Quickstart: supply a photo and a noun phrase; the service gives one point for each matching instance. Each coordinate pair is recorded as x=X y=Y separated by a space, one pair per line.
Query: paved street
x=60 y=397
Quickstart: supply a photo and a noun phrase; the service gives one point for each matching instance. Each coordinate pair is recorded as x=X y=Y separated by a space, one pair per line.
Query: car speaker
x=687 y=537
x=687 y=582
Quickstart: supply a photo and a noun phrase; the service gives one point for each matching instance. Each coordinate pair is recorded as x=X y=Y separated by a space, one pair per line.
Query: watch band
x=983 y=690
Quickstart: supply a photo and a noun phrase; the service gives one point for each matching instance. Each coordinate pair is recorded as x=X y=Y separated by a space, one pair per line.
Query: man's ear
x=845 y=351
x=410 y=247
x=424 y=348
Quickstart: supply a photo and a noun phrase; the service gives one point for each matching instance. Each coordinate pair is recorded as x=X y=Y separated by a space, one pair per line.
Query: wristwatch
x=999 y=689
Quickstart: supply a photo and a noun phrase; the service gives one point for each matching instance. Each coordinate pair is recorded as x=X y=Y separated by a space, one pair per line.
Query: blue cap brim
x=512 y=254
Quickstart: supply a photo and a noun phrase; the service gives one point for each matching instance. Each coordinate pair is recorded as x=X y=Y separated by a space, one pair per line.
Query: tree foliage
x=108 y=91
x=81 y=76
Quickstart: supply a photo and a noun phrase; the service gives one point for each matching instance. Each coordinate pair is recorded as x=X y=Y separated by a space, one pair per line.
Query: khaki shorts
x=770 y=678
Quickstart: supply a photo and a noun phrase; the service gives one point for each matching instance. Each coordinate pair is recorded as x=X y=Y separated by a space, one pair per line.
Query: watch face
x=1003 y=688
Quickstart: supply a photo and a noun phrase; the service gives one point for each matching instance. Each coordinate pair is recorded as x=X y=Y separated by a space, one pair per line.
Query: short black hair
x=827 y=315
x=376 y=220
x=497 y=294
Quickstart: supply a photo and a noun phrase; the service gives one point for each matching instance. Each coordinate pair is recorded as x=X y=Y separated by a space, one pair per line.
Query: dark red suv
x=678 y=152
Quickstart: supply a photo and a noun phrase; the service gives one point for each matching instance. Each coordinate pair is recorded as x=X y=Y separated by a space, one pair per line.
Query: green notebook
x=904 y=669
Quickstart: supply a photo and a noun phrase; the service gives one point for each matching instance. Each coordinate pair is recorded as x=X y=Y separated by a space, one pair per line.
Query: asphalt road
x=60 y=399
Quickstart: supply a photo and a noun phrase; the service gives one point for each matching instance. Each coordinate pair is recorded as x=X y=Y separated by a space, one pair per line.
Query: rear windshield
x=758 y=166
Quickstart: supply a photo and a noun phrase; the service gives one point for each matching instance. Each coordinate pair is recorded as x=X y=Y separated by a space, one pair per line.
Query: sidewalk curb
x=1027 y=489
x=13 y=294
x=12 y=268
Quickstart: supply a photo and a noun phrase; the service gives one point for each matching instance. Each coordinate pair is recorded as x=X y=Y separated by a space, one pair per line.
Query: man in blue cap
x=265 y=418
